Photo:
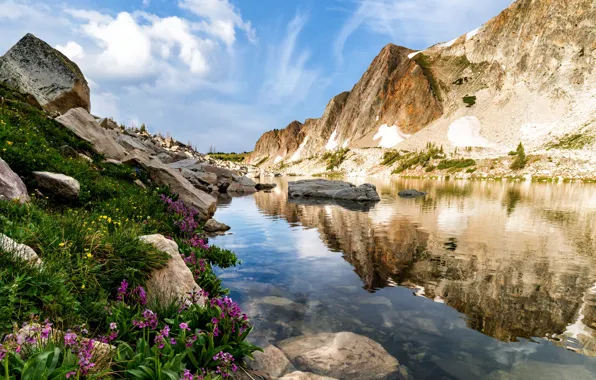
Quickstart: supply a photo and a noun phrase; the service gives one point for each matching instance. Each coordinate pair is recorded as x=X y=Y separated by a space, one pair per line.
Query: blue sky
x=222 y=72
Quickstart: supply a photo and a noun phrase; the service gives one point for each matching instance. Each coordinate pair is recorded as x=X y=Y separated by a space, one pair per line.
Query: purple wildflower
x=184 y=326
x=70 y=339
x=122 y=290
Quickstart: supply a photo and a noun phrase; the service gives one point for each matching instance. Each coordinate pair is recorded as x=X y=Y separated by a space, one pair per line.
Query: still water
x=477 y=280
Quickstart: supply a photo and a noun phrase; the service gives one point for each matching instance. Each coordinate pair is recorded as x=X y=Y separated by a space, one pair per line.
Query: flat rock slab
x=11 y=185
x=82 y=124
x=322 y=188
x=60 y=185
x=344 y=355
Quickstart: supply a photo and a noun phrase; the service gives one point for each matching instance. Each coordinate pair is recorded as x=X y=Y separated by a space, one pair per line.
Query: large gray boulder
x=223 y=180
x=343 y=355
x=34 y=67
x=62 y=186
x=130 y=143
x=299 y=375
x=204 y=203
x=19 y=251
x=175 y=281
x=11 y=185
x=82 y=124
x=411 y=193
x=322 y=188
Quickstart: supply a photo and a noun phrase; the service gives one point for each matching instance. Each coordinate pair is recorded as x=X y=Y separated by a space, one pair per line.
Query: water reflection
x=516 y=259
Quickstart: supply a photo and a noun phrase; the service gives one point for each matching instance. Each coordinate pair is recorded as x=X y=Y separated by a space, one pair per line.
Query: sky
x=221 y=72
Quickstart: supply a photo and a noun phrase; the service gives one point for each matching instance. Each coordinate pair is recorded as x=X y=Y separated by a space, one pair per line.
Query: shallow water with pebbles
x=476 y=280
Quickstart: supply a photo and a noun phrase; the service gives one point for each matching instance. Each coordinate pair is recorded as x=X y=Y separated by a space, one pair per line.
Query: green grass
x=456 y=164
x=262 y=161
x=232 y=157
x=422 y=158
x=88 y=246
x=334 y=159
x=390 y=157
x=574 y=141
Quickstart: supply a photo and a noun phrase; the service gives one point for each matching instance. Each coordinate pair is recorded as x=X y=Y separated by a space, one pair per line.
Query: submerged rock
x=11 y=185
x=411 y=193
x=265 y=186
x=271 y=362
x=60 y=185
x=20 y=251
x=344 y=355
x=34 y=67
x=322 y=188
x=298 y=375
x=175 y=281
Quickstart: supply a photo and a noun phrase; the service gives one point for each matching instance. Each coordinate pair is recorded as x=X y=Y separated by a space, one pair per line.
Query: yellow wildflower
x=61 y=244
x=9 y=142
x=89 y=256
x=83 y=286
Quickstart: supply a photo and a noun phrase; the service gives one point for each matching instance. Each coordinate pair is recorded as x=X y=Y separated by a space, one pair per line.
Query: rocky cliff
x=526 y=76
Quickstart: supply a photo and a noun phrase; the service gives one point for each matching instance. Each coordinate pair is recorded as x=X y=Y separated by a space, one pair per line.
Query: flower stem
x=6 y=368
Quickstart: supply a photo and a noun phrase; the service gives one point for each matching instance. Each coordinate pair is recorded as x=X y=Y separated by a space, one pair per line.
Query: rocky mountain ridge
x=526 y=76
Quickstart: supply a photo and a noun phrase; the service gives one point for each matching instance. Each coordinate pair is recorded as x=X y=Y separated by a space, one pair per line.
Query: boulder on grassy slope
x=82 y=124
x=343 y=355
x=34 y=67
x=160 y=173
x=175 y=281
x=62 y=186
x=20 y=251
x=11 y=185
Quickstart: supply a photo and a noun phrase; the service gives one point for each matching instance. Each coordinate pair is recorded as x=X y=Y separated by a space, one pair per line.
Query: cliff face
x=526 y=75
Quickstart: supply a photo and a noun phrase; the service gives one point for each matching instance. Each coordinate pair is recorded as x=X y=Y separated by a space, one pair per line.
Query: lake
x=477 y=280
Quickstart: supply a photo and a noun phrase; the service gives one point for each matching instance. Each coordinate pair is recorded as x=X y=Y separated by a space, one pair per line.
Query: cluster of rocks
x=327 y=356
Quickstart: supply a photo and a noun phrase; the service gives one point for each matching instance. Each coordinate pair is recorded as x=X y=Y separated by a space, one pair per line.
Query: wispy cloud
x=416 y=23
x=289 y=77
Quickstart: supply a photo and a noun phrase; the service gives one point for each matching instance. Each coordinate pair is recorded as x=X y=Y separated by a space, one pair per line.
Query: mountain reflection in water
x=516 y=259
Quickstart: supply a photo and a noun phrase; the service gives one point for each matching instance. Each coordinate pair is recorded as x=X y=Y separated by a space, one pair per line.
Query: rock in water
x=60 y=185
x=271 y=361
x=344 y=355
x=175 y=281
x=411 y=193
x=82 y=124
x=322 y=188
x=20 y=251
x=11 y=185
x=298 y=375
x=34 y=67
x=265 y=186
x=213 y=225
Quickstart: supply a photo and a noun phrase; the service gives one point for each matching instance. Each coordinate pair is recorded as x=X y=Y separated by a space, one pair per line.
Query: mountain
x=525 y=76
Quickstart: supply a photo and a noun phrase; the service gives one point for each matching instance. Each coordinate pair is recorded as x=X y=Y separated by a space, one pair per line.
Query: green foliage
x=572 y=141
x=233 y=157
x=390 y=157
x=456 y=164
x=520 y=159
x=471 y=170
x=422 y=158
x=334 y=159
x=262 y=161
x=469 y=100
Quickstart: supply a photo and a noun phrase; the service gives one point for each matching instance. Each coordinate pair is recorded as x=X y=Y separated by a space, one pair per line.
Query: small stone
x=20 y=251
x=298 y=375
x=213 y=225
x=271 y=361
x=11 y=185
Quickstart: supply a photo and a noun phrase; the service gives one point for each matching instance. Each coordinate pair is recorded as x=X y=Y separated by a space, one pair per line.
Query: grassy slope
x=88 y=246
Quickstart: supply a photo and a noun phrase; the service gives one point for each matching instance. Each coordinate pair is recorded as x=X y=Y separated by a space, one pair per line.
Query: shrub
x=420 y=158
x=469 y=100
x=390 y=157
x=520 y=159
x=456 y=164
x=334 y=159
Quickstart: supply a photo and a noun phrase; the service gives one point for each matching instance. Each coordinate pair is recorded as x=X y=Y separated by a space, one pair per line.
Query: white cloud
x=289 y=79
x=417 y=23
x=220 y=19
x=72 y=50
